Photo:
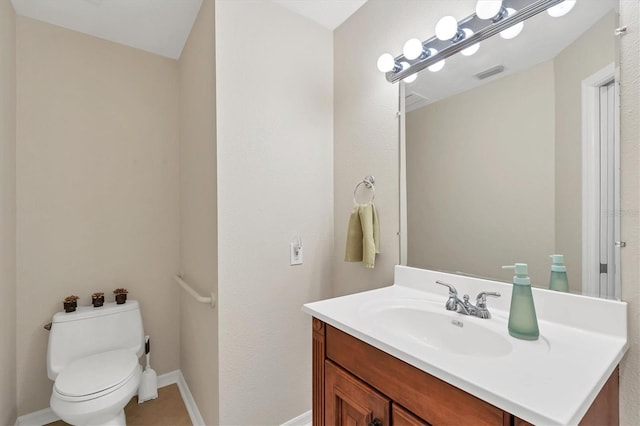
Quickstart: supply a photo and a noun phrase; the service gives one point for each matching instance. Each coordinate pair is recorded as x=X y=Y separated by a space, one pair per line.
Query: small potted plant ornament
x=97 y=299
x=121 y=295
x=70 y=303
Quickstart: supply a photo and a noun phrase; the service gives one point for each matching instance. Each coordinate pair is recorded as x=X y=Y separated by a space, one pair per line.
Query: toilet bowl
x=94 y=390
x=92 y=357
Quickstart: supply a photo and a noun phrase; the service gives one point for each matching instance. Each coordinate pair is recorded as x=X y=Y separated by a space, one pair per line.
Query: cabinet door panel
x=402 y=417
x=349 y=402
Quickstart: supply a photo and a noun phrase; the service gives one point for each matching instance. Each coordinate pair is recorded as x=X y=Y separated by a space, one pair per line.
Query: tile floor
x=167 y=410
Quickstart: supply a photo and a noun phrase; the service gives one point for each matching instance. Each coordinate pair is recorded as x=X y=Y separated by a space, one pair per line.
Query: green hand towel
x=363 y=235
x=353 y=252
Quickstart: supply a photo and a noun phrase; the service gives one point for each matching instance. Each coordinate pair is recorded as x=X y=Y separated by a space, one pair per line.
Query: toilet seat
x=96 y=375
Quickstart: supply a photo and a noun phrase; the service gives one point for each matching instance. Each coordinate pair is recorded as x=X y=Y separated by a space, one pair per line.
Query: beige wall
x=198 y=212
x=97 y=185
x=365 y=124
x=7 y=212
x=572 y=66
x=274 y=136
x=480 y=199
x=630 y=206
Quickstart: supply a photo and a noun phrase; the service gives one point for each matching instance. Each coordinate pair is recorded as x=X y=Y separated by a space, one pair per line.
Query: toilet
x=92 y=357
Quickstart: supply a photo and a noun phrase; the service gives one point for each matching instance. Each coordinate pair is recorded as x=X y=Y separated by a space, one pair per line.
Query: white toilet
x=93 y=359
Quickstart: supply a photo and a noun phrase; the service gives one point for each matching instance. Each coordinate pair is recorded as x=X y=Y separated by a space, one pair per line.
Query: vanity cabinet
x=357 y=384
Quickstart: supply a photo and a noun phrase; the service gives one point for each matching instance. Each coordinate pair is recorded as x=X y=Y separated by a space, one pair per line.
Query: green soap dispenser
x=558 y=280
x=523 y=323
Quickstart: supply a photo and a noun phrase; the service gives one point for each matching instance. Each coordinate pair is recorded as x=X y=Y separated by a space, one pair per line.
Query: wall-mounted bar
x=202 y=299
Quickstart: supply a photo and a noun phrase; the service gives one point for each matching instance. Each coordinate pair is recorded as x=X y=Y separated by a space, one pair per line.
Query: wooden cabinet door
x=350 y=402
x=402 y=417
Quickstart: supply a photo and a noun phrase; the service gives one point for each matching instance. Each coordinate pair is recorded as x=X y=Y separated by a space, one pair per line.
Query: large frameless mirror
x=511 y=155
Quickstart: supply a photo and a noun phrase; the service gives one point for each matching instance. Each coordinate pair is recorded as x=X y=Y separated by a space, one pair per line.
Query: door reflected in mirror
x=520 y=164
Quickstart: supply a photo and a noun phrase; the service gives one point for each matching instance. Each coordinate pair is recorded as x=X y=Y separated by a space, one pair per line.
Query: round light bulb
x=438 y=65
x=412 y=77
x=386 y=62
x=561 y=9
x=512 y=32
x=487 y=9
x=412 y=49
x=471 y=49
x=446 y=28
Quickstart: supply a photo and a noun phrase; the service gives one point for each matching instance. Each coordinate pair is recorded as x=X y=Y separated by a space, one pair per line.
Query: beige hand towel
x=363 y=235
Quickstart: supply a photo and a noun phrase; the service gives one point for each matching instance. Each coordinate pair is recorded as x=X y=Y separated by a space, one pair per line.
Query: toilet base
x=118 y=420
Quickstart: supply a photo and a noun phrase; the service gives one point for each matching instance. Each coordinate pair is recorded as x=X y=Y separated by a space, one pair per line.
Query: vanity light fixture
x=561 y=9
x=447 y=29
x=473 y=48
x=412 y=77
x=490 y=9
x=386 y=63
x=414 y=49
x=513 y=31
x=438 y=65
x=504 y=17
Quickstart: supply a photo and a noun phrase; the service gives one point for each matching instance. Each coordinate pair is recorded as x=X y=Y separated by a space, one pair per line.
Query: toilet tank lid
x=83 y=312
x=96 y=373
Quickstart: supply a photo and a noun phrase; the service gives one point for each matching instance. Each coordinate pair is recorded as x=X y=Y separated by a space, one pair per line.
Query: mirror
x=494 y=166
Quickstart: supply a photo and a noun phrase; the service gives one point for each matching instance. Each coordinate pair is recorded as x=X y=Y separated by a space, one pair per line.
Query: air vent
x=414 y=100
x=490 y=72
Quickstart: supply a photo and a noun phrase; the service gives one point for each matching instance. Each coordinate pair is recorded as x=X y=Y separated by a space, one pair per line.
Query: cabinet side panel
x=605 y=409
x=318 y=355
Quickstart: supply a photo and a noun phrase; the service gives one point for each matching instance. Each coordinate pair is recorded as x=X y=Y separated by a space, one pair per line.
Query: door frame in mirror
x=402 y=138
x=591 y=179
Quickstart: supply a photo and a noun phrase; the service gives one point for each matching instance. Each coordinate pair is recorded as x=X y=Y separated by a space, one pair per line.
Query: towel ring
x=369 y=182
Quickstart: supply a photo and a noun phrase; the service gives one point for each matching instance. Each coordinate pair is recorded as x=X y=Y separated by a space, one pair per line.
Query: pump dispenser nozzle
x=558 y=263
x=522 y=273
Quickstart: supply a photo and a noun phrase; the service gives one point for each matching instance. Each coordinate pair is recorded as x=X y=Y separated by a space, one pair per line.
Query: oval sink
x=444 y=331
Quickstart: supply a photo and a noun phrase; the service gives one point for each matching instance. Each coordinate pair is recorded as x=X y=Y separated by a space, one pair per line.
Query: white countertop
x=550 y=381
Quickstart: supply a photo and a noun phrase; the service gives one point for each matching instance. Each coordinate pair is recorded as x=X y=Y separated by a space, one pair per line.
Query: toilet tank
x=90 y=330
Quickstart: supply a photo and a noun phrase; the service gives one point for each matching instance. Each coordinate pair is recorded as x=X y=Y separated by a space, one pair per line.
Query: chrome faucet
x=464 y=307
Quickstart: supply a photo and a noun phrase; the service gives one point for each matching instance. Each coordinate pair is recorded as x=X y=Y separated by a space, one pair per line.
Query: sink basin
x=430 y=325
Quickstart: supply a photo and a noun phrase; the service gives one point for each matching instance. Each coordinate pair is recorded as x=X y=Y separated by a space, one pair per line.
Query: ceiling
x=328 y=13
x=158 y=26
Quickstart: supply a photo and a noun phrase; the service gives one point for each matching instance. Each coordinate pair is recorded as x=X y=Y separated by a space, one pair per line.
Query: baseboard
x=303 y=419
x=170 y=378
x=47 y=416
x=189 y=402
x=37 y=418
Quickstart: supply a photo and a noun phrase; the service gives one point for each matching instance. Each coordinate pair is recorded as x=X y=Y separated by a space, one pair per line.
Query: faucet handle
x=452 y=289
x=481 y=298
x=452 y=301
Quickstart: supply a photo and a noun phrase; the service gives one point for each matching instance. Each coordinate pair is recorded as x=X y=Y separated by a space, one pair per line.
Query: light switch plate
x=296 y=254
